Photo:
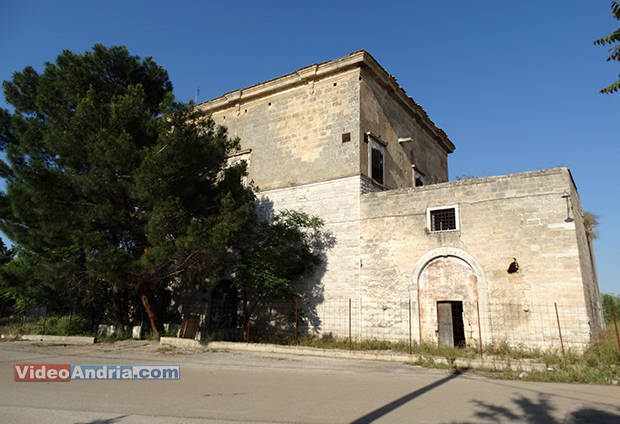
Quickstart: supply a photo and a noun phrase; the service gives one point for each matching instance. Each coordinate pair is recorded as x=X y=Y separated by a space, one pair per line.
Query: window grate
x=443 y=220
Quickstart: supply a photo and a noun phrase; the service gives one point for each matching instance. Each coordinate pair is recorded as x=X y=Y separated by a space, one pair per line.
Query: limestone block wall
x=337 y=203
x=587 y=261
x=295 y=129
x=311 y=125
x=500 y=219
x=384 y=116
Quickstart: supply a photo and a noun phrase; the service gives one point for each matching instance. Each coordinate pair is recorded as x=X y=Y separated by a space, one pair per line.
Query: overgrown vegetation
x=114 y=190
x=607 y=308
x=591 y=224
x=464 y=177
x=52 y=326
x=599 y=363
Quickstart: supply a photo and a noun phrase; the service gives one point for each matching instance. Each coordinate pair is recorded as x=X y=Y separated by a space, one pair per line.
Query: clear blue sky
x=514 y=83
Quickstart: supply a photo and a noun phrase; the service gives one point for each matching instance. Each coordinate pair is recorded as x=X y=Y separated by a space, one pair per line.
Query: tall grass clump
x=53 y=326
x=599 y=363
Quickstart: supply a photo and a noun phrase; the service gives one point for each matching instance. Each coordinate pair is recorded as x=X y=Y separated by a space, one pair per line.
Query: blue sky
x=514 y=83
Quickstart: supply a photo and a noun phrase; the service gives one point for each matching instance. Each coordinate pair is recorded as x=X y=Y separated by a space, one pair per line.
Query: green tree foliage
x=607 y=310
x=110 y=183
x=271 y=256
x=613 y=38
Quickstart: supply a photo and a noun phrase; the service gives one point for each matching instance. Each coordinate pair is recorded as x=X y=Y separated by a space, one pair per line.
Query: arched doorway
x=449 y=284
x=224 y=300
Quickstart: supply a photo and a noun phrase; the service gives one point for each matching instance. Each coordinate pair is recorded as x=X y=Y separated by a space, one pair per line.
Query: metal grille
x=443 y=220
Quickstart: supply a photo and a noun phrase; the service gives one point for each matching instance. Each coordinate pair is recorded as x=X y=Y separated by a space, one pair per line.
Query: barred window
x=443 y=219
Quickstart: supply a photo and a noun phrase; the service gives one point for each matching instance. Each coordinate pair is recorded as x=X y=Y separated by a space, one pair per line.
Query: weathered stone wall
x=337 y=203
x=588 y=264
x=295 y=135
x=520 y=216
x=303 y=136
x=384 y=116
x=310 y=126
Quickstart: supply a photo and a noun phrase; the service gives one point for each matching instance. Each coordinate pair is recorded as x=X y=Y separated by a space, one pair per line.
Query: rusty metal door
x=445 y=330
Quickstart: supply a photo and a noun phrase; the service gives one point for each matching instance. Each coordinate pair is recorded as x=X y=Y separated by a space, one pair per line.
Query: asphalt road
x=233 y=387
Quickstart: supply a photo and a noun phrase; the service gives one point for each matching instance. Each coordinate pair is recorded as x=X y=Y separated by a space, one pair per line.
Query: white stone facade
x=343 y=141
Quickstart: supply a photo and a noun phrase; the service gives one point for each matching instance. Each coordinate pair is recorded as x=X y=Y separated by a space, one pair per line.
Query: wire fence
x=555 y=325
x=455 y=323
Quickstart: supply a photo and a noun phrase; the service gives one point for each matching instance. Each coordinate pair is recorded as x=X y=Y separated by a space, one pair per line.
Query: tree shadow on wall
x=523 y=409
x=308 y=285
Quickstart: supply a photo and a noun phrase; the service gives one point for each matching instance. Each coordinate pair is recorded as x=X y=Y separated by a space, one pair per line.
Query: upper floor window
x=443 y=218
x=418 y=178
x=235 y=158
x=376 y=158
x=377 y=165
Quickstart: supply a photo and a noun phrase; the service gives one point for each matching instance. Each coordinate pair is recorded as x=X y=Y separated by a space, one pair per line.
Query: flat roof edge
x=360 y=59
x=298 y=77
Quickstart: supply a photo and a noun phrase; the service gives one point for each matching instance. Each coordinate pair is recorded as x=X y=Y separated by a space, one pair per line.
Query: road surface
x=241 y=387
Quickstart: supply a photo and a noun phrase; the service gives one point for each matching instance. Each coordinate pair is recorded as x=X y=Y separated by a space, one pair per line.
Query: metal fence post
x=410 y=344
x=613 y=312
x=248 y=329
x=479 y=329
x=296 y=314
x=559 y=329
x=349 y=323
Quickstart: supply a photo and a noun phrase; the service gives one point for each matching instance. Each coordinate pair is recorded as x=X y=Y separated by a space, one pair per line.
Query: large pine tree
x=110 y=182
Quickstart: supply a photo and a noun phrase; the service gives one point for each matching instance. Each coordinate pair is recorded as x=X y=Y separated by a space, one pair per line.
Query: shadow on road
x=378 y=413
x=540 y=411
x=110 y=421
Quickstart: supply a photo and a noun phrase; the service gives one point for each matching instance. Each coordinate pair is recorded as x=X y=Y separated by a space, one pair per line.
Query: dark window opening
x=346 y=137
x=419 y=180
x=377 y=166
x=443 y=219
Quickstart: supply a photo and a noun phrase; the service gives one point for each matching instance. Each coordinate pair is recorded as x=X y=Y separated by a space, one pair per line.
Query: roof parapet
x=359 y=59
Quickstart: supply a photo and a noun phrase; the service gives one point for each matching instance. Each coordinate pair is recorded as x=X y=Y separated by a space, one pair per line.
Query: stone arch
x=448 y=263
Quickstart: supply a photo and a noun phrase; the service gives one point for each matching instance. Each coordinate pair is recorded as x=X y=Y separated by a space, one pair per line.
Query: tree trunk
x=91 y=316
x=148 y=300
x=117 y=312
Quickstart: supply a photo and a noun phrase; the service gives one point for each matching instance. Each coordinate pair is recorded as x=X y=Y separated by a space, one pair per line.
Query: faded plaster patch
x=568 y=254
x=563 y=225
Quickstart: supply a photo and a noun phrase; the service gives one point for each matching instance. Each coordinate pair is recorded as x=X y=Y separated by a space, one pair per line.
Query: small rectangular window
x=419 y=179
x=443 y=219
x=376 y=158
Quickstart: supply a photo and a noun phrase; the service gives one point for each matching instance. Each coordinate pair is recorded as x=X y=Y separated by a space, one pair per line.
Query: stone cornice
x=362 y=60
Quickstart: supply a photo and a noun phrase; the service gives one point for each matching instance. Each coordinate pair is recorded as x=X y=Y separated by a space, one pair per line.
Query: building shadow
x=309 y=285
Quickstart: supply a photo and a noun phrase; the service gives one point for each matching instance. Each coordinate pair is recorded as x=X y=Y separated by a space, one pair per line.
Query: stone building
x=485 y=258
